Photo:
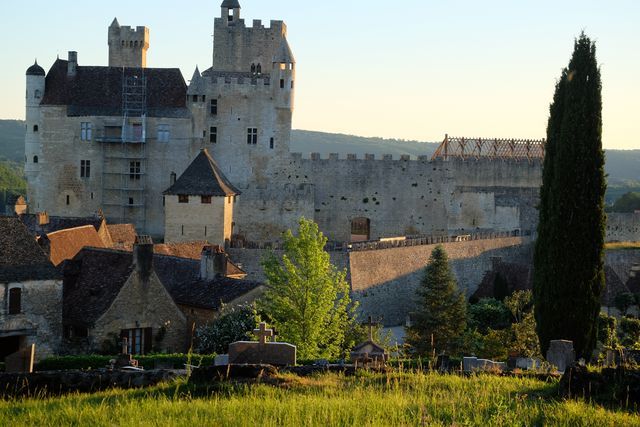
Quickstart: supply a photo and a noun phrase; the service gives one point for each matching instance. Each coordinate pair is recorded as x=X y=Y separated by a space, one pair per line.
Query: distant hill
x=12 y=140
x=623 y=166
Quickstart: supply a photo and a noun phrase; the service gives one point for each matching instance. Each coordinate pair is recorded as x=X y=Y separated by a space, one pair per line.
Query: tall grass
x=325 y=400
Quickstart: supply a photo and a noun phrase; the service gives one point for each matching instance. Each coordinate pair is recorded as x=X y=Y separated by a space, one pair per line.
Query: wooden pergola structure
x=486 y=148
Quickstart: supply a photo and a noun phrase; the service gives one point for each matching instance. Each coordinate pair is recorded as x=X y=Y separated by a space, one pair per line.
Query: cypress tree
x=569 y=251
x=442 y=310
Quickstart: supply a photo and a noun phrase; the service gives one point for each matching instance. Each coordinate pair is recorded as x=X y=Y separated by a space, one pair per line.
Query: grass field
x=326 y=400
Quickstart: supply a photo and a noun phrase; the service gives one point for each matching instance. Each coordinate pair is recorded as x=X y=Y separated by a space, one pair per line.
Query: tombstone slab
x=221 y=360
x=21 y=361
x=269 y=353
x=561 y=354
x=527 y=363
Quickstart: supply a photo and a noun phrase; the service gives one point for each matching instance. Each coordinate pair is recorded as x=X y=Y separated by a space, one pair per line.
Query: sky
x=416 y=69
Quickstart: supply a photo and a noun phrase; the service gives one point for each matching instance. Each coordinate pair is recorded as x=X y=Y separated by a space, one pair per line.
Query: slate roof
x=614 y=286
x=633 y=284
x=97 y=91
x=95 y=277
x=35 y=70
x=231 y=4
x=57 y=223
x=284 y=54
x=203 y=177
x=65 y=244
x=517 y=276
x=21 y=258
x=123 y=236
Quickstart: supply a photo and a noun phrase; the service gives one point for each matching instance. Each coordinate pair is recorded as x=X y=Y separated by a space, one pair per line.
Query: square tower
x=127 y=46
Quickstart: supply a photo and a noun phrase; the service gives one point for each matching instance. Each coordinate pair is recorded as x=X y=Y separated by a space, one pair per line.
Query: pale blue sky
x=368 y=67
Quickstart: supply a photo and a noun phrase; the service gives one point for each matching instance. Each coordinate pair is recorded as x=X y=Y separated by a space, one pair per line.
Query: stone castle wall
x=623 y=227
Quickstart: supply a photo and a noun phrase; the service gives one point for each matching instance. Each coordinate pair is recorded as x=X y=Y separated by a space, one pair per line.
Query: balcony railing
x=128 y=134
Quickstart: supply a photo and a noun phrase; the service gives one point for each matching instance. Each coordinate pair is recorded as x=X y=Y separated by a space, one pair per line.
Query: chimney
x=143 y=256
x=213 y=263
x=73 y=64
x=173 y=178
x=45 y=245
x=43 y=218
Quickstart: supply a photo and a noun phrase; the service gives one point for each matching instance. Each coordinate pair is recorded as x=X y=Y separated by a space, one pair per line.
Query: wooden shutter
x=148 y=339
x=15 y=303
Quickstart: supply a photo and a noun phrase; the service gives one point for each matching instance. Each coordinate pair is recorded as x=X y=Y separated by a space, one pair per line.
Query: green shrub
x=607 y=331
x=629 y=332
x=236 y=324
x=488 y=313
x=93 y=361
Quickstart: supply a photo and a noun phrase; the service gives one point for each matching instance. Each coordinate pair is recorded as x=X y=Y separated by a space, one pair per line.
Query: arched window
x=35 y=159
x=123 y=43
x=135 y=44
x=130 y=44
x=253 y=68
x=15 y=300
x=259 y=69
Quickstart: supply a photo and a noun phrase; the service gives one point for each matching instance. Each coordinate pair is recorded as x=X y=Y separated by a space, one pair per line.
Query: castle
x=118 y=138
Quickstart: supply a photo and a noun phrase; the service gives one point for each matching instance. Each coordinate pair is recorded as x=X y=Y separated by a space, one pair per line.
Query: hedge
x=177 y=361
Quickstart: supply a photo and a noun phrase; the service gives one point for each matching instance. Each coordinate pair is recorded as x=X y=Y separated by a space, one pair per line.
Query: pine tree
x=307 y=299
x=441 y=318
x=568 y=257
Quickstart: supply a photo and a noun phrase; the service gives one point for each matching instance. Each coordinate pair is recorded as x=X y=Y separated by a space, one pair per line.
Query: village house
x=30 y=293
x=152 y=300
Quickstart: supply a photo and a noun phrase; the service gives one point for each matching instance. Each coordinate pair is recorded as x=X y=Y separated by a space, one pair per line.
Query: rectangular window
x=163 y=133
x=85 y=168
x=138 y=340
x=281 y=83
x=213 y=134
x=135 y=170
x=271 y=143
x=85 y=131
x=214 y=107
x=195 y=98
x=131 y=200
x=15 y=301
x=252 y=136
x=206 y=200
x=183 y=198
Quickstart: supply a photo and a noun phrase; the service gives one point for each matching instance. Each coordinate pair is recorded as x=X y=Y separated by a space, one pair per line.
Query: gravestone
x=262 y=351
x=21 y=361
x=561 y=354
x=125 y=359
x=221 y=360
x=369 y=353
x=473 y=364
x=527 y=363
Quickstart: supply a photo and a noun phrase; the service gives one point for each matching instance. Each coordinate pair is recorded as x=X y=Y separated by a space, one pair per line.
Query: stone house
x=152 y=300
x=30 y=293
x=199 y=205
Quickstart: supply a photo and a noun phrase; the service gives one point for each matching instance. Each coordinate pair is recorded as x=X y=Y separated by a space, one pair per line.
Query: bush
x=489 y=313
x=94 y=361
x=629 y=332
x=607 y=331
x=236 y=324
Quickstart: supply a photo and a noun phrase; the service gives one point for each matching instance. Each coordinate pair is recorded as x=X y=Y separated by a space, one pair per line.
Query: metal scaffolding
x=493 y=149
x=124 y=155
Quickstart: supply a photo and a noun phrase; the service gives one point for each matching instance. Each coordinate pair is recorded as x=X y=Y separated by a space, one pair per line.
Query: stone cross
x=262 y=332
x=370 y=324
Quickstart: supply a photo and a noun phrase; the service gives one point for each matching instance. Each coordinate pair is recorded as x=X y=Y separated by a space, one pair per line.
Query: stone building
x=30 y=293
x=199 y=205
x=152 y=300
x=113 y=137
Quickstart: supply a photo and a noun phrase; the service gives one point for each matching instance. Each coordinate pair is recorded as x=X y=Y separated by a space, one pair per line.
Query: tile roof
x=97 y=91
x=20 y=256
x=65 y=244
x=203 y=177
x=122 y=235
x=57 y=223
x=95 y=277
x=192 y=250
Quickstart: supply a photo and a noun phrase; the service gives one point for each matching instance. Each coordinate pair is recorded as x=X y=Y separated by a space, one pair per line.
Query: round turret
x=35 y=70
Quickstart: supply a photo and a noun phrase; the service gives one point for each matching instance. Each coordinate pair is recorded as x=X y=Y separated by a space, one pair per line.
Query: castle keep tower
x=128 y=47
